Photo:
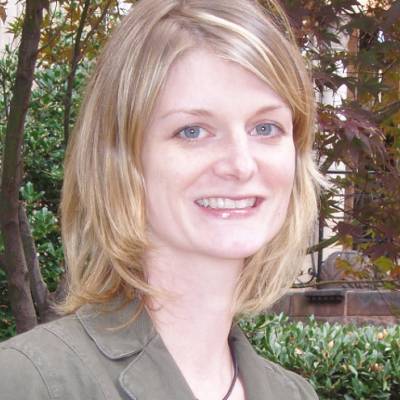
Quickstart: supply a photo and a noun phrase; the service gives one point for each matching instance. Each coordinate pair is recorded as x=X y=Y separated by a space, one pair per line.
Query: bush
x=341 y=362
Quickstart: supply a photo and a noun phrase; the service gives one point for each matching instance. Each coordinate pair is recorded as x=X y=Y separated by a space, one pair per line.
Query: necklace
x=234 y=379
x=235 y=375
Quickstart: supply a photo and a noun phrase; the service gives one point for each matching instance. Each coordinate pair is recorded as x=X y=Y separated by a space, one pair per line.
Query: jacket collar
x=104 y=328
x=153 y=374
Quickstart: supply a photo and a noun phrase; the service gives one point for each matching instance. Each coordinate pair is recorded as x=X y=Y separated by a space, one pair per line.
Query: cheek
x=175 y=169
x=167 y=175
x=279 y=170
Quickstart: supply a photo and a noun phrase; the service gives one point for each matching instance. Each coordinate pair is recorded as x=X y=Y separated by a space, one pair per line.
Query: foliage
x=7 y=323
x=44 y=140
x=7 y=72
x=341 y=362
x=46 y=235
x=355 y=54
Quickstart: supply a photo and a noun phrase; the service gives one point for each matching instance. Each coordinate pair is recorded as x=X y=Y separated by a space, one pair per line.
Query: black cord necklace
x=234 y=379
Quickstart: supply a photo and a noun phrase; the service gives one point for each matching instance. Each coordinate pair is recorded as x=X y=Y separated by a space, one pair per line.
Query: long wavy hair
x=103 y=199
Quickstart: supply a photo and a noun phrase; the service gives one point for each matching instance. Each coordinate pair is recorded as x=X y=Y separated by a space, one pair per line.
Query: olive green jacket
x=77 y=357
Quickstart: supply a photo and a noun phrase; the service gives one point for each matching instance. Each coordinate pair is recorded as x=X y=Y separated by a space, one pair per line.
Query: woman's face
x=218 y=159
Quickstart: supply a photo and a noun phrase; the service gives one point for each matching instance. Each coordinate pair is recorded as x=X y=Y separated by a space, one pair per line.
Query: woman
x=188 y=201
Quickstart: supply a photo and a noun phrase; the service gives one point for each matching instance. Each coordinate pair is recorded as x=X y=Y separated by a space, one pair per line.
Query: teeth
x=242 y=203
x=213 y=203
x=229 y=203
x=218 y=202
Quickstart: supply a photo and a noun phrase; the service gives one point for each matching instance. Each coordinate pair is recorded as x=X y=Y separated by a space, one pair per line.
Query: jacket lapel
x=152 y=373
x=252 y=370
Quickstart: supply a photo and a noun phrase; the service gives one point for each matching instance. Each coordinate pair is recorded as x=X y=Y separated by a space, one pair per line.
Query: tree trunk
x=14 y=258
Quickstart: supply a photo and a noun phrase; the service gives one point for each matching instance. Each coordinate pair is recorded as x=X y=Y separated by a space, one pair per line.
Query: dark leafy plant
x=354 y=50
x=45 y=231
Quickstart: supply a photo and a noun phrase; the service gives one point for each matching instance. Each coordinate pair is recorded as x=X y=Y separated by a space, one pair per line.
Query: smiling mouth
x=224 y=203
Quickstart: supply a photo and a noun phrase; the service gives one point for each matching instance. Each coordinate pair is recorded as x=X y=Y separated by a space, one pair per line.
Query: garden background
x=353 y=50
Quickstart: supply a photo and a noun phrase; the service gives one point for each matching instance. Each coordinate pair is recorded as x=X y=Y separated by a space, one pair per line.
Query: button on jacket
x=79 y=357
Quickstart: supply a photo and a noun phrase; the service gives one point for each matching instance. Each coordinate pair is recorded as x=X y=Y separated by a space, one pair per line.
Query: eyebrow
x=207 y=113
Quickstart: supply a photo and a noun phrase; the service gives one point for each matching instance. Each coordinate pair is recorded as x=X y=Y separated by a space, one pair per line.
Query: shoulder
x=296 y=381
x=43 y=341
x=44 y=357
x=17 y=368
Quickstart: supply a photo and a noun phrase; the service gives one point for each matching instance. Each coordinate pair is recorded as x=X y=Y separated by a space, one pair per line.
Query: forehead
x=200 y=78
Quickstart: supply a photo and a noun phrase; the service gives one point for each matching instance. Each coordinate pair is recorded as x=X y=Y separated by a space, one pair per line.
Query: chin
x=236 y=251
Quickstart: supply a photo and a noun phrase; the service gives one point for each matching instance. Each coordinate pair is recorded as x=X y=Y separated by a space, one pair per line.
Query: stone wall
x=360 y=306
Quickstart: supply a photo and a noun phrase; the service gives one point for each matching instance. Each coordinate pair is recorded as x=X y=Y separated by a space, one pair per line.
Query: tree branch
x=73 y=65
x=40 y=293
x=387 y=111
x=99 y=20
x=55 y=31
x=62 y=289
x=323 y=244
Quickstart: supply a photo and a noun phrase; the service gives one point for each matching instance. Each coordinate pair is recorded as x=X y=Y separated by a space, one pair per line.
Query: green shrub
x=46 y=234
x=340 y=361
x=7 y=321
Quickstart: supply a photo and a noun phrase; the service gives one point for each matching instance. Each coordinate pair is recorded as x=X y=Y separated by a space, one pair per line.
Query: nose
x=236 y=161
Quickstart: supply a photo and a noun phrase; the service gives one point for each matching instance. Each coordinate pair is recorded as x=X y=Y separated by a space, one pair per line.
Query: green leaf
x=384 y=264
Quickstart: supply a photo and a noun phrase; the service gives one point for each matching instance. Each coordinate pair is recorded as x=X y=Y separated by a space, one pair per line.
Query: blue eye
x=267 y=129
x=190 y=132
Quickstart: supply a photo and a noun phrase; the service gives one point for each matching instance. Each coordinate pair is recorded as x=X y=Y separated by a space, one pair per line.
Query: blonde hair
x=103 y=204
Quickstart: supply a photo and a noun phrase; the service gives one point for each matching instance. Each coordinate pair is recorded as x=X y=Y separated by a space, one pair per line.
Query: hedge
x=340 y=361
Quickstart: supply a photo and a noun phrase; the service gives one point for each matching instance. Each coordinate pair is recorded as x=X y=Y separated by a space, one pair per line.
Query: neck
x=195 y=320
